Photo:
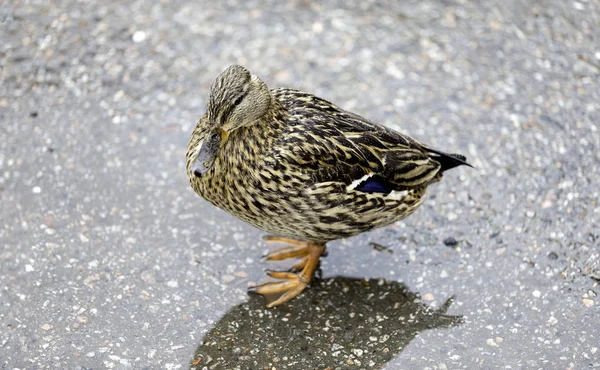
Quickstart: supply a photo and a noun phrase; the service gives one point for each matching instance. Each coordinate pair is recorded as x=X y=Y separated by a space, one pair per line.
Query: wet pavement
x=109 y=260
x=324 y=328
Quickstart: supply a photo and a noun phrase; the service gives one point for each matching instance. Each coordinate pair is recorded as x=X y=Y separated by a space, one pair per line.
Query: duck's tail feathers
x=447 y=161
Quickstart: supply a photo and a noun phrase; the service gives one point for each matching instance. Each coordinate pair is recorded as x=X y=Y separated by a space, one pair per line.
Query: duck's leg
x=293 y=282
x=296 y=248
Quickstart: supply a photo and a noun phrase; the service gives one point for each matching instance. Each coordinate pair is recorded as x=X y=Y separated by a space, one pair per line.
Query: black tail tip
x=449 y=161
x=454 y=160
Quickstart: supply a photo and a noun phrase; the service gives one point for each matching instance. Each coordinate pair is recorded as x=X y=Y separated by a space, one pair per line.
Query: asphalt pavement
x=108 y=260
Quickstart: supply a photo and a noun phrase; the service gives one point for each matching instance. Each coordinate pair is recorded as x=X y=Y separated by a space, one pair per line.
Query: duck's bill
x=208 y=153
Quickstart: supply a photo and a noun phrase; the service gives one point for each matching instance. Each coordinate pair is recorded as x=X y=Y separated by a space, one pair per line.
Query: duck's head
x=237 y=98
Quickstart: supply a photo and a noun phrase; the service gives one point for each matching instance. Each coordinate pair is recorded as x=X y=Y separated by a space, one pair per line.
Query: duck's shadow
x=338 y=322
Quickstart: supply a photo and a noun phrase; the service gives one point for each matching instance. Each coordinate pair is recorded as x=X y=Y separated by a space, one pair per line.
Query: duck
x=304 y=171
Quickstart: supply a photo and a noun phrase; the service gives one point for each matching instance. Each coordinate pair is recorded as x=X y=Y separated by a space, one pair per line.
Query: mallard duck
x=303 y=169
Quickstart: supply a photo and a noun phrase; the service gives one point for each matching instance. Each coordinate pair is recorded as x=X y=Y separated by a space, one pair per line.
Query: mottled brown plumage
x=295 y=165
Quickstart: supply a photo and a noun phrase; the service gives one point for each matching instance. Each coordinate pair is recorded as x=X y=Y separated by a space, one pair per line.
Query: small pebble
x=36 y=190
x=241 y=274
x=451 y=242
x=228 y=278
x=139 y=36
x=173 y=284
x=317 y=27
x=358 y=352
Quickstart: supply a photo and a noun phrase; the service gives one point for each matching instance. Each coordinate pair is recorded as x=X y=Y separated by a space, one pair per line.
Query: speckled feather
x=298 y=171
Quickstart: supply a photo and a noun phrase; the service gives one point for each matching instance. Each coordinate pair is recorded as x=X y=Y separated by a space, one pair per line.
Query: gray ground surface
x=109 y=260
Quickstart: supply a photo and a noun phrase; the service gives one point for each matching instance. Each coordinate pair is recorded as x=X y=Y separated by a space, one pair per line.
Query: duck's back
x=332 y=174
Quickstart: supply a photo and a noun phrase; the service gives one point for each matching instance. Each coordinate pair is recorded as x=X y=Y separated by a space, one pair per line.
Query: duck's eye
x=238 y=101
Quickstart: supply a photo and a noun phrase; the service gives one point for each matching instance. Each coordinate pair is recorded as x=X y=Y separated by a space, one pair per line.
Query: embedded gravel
x=108 y=260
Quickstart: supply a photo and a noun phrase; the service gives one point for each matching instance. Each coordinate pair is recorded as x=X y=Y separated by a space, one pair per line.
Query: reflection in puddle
x=338 y=323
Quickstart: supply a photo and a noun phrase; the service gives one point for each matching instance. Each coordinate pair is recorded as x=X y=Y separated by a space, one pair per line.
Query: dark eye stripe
x=230 y=109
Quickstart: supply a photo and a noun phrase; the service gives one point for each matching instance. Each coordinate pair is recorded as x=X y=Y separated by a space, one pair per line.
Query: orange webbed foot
x=294 y=281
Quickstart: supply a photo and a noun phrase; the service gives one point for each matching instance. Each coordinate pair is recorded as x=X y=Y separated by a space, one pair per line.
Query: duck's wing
x=333 y=145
